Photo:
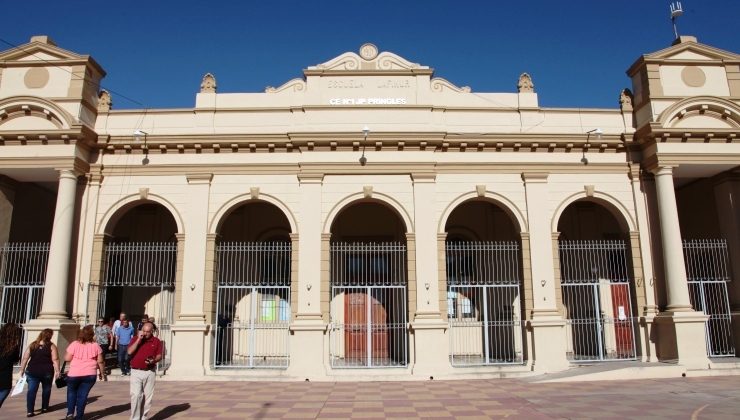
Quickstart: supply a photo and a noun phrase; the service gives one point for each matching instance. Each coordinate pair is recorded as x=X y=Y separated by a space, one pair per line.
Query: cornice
x=419 y=171
x=327 y=141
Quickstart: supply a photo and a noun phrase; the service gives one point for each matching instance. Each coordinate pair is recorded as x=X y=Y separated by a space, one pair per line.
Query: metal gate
x=596 y=293
x=22 y=279
x=139 y=276
x=484 y=303
x=253 y=309
x=368 y=311
x=707 y=272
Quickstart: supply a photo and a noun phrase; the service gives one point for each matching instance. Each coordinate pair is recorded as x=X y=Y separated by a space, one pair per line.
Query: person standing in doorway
x=118 y=323
x=10 y=343
x=103 y=336
x=145 y=351
x=124 y=334
x=41 y=365
x=143 y=319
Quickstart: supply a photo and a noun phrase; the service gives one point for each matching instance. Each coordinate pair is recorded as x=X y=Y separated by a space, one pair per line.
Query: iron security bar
x=147 y=264
x=23 y=263
x=708 y=275
x=597 y=298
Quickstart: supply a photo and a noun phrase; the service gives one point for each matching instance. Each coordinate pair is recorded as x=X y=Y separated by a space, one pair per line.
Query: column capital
x=423 y=177
x=310 y=178
x=662 y=170
x=442 y=236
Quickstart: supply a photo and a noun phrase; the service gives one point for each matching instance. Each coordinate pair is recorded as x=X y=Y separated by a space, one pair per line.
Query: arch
x=620 y=213
x=118 y=209
x=497 y=199
x=235 y=202
x=718 y=108
x=39 y=107
x=381 y=198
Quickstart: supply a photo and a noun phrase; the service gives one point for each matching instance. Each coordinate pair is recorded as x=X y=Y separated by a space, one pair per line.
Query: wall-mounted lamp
x=365 y=132
x=140 y=135
x=597 y=132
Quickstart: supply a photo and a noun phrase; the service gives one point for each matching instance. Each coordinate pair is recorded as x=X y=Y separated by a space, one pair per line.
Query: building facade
x=372 y=220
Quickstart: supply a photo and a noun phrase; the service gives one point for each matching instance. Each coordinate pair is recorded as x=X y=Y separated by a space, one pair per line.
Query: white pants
x=142 y=392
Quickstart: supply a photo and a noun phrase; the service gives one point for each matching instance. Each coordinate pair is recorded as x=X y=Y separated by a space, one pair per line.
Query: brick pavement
x=677 y=398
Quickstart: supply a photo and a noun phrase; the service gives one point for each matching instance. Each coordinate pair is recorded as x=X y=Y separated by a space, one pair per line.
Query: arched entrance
x=139 y=268
x=369 y=287
x=26 y=220
x=484 y=305
x=596 y=284
x=253 y=294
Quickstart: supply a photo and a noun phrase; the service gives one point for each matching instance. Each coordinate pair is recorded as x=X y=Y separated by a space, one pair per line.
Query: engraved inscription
x=345 y=84
x=394 y=84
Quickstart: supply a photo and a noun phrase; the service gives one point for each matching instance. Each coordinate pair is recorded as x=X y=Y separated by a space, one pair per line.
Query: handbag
x=61 y=380
x=19 y=386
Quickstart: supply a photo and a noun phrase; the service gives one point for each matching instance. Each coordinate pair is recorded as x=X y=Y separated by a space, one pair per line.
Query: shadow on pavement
x=170 y=411
x=63 y=406
x=109 y=411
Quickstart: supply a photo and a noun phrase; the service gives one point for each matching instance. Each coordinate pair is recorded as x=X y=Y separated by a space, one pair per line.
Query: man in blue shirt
x=124 y=334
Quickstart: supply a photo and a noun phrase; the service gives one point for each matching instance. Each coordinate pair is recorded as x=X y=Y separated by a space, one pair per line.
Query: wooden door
x=379 y=326
x=355 y=325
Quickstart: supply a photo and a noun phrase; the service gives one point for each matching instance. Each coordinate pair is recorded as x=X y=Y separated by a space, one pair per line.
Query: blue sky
x=577 y=51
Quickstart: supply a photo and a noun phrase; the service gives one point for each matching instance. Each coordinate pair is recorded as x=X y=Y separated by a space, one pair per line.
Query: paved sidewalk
x=676 y=398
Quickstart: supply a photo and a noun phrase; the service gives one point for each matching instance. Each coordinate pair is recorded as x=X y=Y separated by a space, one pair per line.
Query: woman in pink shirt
x=85 y=357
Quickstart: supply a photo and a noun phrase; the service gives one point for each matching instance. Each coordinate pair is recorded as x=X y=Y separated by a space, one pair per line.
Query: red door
x=622 y=319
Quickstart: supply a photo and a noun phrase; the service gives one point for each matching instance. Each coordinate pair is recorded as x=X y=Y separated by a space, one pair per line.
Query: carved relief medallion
x=368 y=51
x=693 y=76
x=36 y=78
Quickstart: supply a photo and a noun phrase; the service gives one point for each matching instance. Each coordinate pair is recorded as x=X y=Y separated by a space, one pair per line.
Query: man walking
x=145 y=351
x=124 y=334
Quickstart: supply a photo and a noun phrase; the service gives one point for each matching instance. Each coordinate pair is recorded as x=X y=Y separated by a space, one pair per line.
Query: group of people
x=116 y=336
x=141 y=352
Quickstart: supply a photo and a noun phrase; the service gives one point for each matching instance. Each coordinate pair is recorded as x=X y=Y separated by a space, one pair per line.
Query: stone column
x=546 y=324
x=189 y=330
x=308 y=351
x=681 y=332
x=643 y=266
x=57 y=271
x=428 y=327
x=677 y=291
x=53 y=308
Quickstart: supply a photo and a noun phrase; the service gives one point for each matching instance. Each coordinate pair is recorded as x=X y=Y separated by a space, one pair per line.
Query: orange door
x=355 y=325
x=380 y=330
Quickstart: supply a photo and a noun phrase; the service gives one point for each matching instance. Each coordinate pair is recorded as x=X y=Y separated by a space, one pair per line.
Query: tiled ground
x=678 y=398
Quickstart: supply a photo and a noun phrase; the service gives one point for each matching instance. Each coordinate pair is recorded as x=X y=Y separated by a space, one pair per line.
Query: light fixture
x=597 y=132
x=138 y=136
x=365 y=132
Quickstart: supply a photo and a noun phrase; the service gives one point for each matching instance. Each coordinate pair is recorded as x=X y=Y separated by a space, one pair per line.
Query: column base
x=189 y=348
x=309 y=359
x=429 y=344
x=682 y=338
x=548 y=342
x=65 y=332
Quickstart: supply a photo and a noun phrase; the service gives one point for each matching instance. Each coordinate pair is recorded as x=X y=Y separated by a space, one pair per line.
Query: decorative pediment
x=440 y=85
x=368 y=60
x=701 y=112
x=42 y=48
x=692 y=51
x=37 y=49
x=294 y=85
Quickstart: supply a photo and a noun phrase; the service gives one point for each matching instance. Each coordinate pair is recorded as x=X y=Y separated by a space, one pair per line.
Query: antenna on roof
x=676 y=11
